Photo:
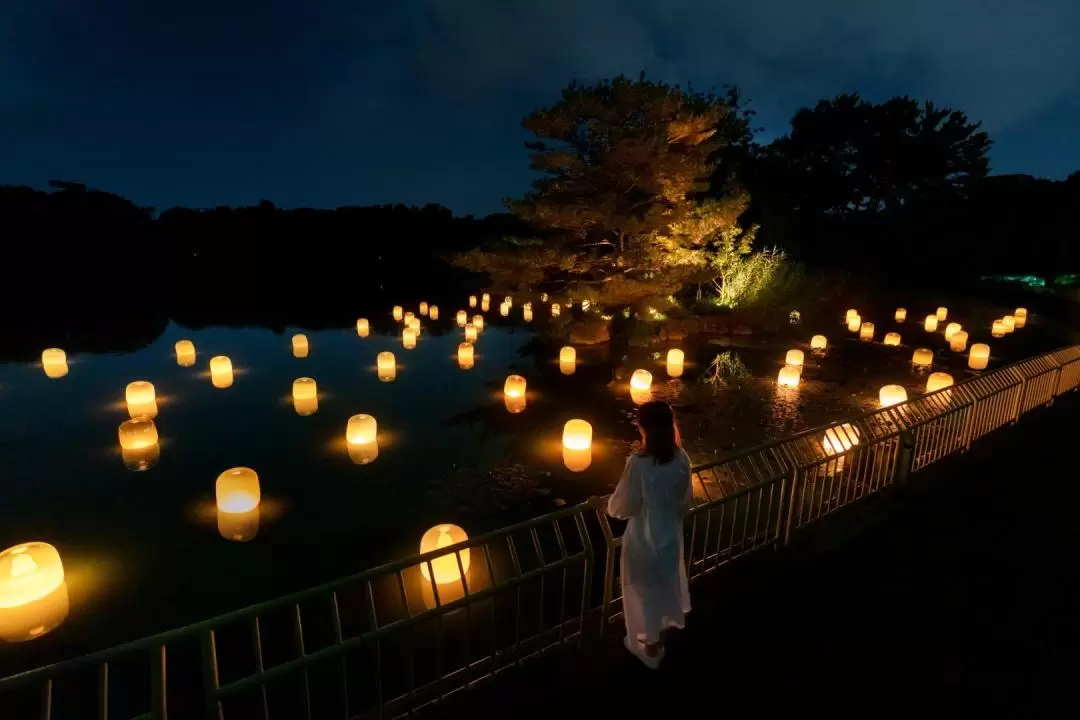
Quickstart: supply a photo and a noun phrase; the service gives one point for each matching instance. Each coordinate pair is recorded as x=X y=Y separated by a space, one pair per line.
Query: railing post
x=609 y=570
x=1054 y=393
x=211 y=683
x=969 y=424
x=1015 y=412
x=906 y=461
x=794 y=488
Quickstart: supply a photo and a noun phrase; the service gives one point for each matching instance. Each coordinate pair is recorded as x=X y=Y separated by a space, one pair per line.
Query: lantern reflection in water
x=300 y=345
x=854 y=323
x=398 y=313
x=931 y=323
x=433 y=312
x=361 y=435
x=239 y=526
x=470 y=333
x=386 y=366
x=140 y=398
x=137 y=433
x=54 y=362
x=958 y=341
x=892 y=339
x=789 y=376
x=363 y=328
x=890 y=395
x=221 y=371
x=675 y=359
x=485 y=298
x=465 y=356
x=819 y=342
x=840 y=439
x=33 y=594
x=478 y=323
x=305 y=396
x=900 y=315
x=445 y=568
x=514 y=405
x=922 y=358
x=937 y=381
x=185 y=353
x=866 y=332
x=979 y=357
x=794 y=358
x=942 y=313
x=408 y=319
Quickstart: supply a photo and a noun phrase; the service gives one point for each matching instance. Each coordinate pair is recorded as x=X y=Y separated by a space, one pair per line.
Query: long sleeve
x=625 y=502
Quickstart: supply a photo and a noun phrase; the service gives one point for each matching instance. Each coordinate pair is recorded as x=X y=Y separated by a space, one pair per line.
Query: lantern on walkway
x=958 y=341
x=997 y=329
x=931 y=323
x=305 y=396
x=140 y=398
x=892 y=339
x=818 y=342
x=445 y=567
x=29 y=572
x=937 y=381
x=979 y=356
x=470 y=333
x=221 y=371
x=900 y=315
x=794 y=357
x=408 y=338
x=840 y=439
x=922 y=358
x=363 y=328
x=299 y=345
x=237 y=490
x=890 y=395
x=514 y=386
x=398 y=313
x=1021 y=315
x=185 y=353
x=478 y=323
x=866 y=332
x=789 y=376
x=854 y=323
x=577 y=435
x=675 y=358
x=465 y=356
x=54 y=362
x=386 y=366
x=942 y=313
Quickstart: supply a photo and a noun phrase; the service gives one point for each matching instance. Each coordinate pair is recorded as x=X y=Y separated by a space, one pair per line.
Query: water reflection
x=238 y=526
x=363 y=453
x=141 y=458
x=514 y=404
x=577 y=460
x=35 y=619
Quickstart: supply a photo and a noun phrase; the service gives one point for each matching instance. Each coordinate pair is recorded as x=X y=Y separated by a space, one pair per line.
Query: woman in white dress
x=654 y=494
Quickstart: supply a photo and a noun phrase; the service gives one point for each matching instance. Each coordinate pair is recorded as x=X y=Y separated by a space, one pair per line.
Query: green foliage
x=741 y=281
x=725 y=367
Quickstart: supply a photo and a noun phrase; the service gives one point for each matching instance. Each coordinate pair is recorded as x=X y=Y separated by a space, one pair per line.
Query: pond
x=143 y=549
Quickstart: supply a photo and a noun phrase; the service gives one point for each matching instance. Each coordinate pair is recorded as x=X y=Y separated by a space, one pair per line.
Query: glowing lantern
x=386 y=366
x=299 y=345
x=470 y=333
x=1021 y=315
x=951 y=329
x=641 y=380
x=555 y=310
x=901 y=314
x=485 y=305
x=979 y=357
x=794 y=357
x=424 y=309
x=854 y=323
x=361 y=430
x=526 y=313
x=472 y=301
x=514 y=386
x=398 y=313
x=577 y=460
x=892 y=339
x=138 y=433
x=433 y=312
x=675 y=359
x=1009 y=322
x=998 y=329
x=478 y=323
x=465 y=356
x=789 y=376
x=577 y=435
x=408 y=319
x=504 y=310
x=363 y=328
x=818 y=342
x=866 y=332
x=852 y=312
x=958 y=341
x=408 y=338
x=54 y=362
x=29 y=572
x=942 y=313
x=543 y=297
x=890 y=395
x=305 y=396
x=937 y=381
x=462 y=318
x=922 y=358
x=445 y=567
x=237 y=490
x=640 y=397
x=485 y=298
x=931 y=323
x=514 y=405
x=141 y=399
x=185 y=353
x=238 y=526
x=413 y=324
x=840 y=439
x=221 y=372
x=508 y=301
x=567 y=360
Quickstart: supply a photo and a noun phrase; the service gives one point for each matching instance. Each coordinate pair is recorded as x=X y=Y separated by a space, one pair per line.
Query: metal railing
x=389 y=640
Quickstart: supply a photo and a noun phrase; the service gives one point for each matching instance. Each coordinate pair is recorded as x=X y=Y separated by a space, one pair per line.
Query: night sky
x=309 y=103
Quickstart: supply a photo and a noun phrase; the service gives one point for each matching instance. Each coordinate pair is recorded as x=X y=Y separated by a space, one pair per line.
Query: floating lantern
x=414 y=324
x=423 y=309
x=854 y=323
x=433 y=312
x=141 y=399
x=931 y=323
x=221 y=372
x=470 y=333
x=29 y=572
x=951 y=329
x=465 y=356
x=526 y=313
x=997 y=329
x=514 y=405
x=852 y=312
x=300 y=345
x=363 y=328
x=866 y=332
x=305 y=396
x=900 y=315
x=508 y=301
x=640 y=397
x=238 y=526
x=485 y=305
x=361 y=430
x=1021 y=316
x=567 y=360
x=789 y=376
x=892 y=339
x=445 y=567
x=185 y=353
x=979 y=357
x=34 y=618
x=840 y=439
x=462 y=318
x=922 y=358
x=937 y=381
x=577 y=460
x=577 y=435
x=398 y=313
x=675 y=359
x=1009 y=322
x=818 y=342
x=138 y=433
x=958 y=341
x=237 y=490
x=543 y=297
x=408 y=338
x=890 y=395
x=408 y=319
x=386 y=366
x=478 y=323
x=555 y=310
x=514 y=386
x=504 y=310
x=942 y=313
x=472 y=301
x=794 y=357
x=641 y=380
x=54 y=362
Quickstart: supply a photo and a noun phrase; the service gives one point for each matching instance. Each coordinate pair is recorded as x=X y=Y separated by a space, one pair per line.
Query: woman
x=653 y=494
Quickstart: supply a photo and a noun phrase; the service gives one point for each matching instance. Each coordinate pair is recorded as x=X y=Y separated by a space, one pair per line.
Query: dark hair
x=659 y=433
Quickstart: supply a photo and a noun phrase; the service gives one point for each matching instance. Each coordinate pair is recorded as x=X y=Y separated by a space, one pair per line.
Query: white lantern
x=300 y=345
x=794 y=357
x=937 y=381
x=185 y=353
x=465 y=356
x=472 y=301
x=866 y=332
x=892 y=339
x=54 y=362
x=514 y=386
x=641 y=380
x=221 y=371
x=890 y=395
x=504 y=310
x=361 y=430
x=527 y=314
x=462 y=318
x=29 y=572
x=900 y=315
x=363 y=328
x=958 y=341
x=485 y=305
x=979 y=356
x=789 y=376
x=386 y=366
x=818 y=342
x=444 y=567
x=922 y=358
x=931 y=323
x=237 y=490
x=675 y=358
x=851 y=313
x=485 y=298
x=840 y=439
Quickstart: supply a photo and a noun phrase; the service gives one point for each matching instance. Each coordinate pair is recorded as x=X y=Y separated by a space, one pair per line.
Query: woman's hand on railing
x=597 y=503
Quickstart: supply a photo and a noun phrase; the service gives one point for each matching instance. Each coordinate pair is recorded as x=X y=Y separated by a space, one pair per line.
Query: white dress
x=654 y=498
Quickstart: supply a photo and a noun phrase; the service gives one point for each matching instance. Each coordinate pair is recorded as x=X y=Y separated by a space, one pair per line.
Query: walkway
x=961 y=599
